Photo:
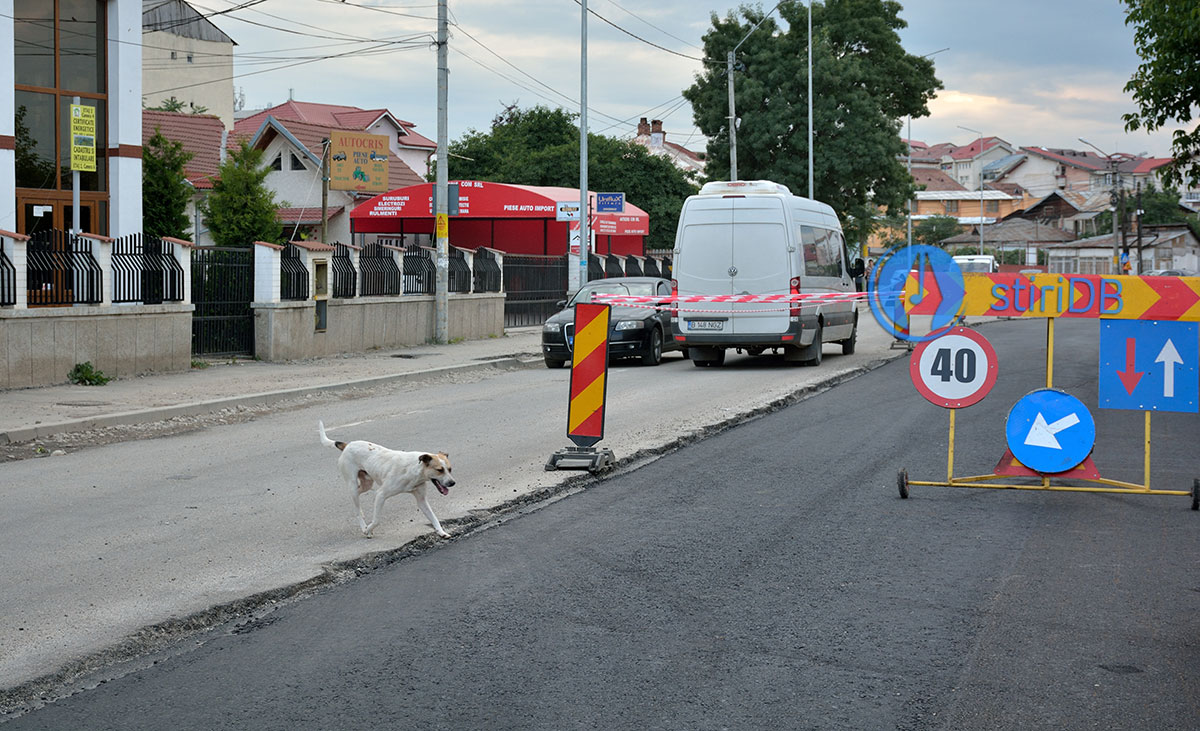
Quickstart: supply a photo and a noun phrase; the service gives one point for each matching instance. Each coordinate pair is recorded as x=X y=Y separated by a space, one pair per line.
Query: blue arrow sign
x=1149 y=365
x=1050 y=431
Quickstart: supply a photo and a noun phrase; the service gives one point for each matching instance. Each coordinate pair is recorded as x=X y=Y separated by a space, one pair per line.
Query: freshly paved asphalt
x=767 y=577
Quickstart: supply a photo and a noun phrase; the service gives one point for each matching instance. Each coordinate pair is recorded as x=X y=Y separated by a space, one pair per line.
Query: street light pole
x=729 y=62
x=1118 y=193
x=441 y=218
x=980 y=184
x=910 y=203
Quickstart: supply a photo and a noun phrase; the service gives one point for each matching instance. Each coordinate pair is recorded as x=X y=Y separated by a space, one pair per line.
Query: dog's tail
x=326 y=440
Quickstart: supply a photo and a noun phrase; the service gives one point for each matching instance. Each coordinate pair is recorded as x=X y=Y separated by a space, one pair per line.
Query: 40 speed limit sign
x=955 y=370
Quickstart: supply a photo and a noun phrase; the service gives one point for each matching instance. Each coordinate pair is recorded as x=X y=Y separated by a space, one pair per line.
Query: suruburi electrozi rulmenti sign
x=358 y=161
x=1063 y=295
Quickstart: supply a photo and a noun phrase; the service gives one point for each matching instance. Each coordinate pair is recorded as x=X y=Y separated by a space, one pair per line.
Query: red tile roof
x=934 y=179
x=334 y=116
x=1074 y=158
x=308 y=215
x=977 y=147
x=200 y=135
x=400 y=175
x=1150 y=164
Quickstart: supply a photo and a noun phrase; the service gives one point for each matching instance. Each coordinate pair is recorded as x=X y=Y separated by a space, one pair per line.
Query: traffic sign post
x=1144 y=365
x=956 y=370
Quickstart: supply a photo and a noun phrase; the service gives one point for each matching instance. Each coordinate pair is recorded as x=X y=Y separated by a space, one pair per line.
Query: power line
x=636 y=36
x=655 y=27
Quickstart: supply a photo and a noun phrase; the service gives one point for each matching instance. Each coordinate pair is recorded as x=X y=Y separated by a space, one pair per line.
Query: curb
x=164 y=413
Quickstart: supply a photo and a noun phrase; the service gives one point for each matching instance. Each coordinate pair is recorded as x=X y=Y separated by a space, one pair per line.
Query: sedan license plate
x=706 y=324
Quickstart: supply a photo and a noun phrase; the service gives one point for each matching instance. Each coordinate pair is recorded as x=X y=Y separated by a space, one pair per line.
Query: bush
x=84 y=374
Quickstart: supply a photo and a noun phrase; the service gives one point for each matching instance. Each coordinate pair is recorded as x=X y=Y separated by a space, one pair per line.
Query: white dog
x=366 y=466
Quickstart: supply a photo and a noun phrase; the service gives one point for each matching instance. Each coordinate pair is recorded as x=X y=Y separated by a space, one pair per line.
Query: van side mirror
x=857 y=268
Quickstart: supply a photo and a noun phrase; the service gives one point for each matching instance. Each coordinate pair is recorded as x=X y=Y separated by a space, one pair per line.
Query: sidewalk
x=36 y=413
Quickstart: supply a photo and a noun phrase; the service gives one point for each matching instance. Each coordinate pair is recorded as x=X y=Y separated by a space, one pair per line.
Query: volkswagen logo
x=733 y=271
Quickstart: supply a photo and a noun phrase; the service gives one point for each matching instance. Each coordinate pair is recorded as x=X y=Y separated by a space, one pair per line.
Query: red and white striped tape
x=804 y=298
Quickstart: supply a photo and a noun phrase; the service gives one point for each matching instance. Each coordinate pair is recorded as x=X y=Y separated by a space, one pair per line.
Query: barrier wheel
x=902 y=483
x=1196 y=494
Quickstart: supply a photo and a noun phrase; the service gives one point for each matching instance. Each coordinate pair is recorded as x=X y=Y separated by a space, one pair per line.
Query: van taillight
x=794 y=310
x=674 y=298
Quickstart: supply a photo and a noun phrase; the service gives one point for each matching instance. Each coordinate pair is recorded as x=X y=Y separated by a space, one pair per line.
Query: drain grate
x=1122 y=669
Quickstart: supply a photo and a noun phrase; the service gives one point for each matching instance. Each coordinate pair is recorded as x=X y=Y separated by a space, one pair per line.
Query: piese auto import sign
x=358 y=161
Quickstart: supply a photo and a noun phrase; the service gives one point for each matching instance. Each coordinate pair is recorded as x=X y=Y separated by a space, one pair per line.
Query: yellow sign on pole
x=358 y=161
x=442 y=226
x=83 y=138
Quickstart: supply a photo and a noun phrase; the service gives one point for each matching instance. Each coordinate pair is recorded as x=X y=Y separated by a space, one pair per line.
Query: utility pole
x=1138 y=214
x=585 y=213
x=732 y=120
x=441 y=218
x=810 y=116
x=1117 y=198
x=325 y=191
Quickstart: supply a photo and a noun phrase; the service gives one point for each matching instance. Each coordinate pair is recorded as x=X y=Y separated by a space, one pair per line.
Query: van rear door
x=705 y=256
x=761 y=263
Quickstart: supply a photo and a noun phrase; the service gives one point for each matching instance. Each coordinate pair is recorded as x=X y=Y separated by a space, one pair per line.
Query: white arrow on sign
x=1042 y=434
x=1169 y=357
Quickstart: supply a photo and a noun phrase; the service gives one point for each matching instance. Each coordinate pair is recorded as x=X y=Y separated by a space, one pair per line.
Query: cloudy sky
x=1033 y=72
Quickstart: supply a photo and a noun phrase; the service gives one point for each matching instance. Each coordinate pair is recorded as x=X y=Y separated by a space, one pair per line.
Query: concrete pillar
x=266 y=272
x=8 y=176
x=14 y=248
x=101 y=250
x=182 y=251
x=124 y=117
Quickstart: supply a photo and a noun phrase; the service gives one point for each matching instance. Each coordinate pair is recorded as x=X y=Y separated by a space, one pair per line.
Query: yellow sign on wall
x=358 y=161
x=83 y=138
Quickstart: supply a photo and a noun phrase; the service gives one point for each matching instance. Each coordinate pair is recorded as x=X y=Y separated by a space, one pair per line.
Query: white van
x=755 y=237
x=985 y=263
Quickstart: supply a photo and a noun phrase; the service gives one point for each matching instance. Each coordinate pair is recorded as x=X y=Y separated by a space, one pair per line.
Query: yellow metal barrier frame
x=990 y=481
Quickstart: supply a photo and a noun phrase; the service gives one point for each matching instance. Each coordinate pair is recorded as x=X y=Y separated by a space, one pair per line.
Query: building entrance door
x=37 y=214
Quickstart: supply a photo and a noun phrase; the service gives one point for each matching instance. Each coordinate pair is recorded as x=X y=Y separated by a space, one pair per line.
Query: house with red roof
x=651 y=136
x=292 y=136
x=965 y=164
x=203 y=137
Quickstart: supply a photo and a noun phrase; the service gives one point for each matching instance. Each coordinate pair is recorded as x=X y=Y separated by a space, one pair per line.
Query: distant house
x=965 y=164
x=1014 y=234
x=965 y=205
x=1045 y=170
x=414 y=149
x=1068 y=210
x=651 y=136
x=294 y=143
x=1162 y=247
x=203 y=136
x=186 y=56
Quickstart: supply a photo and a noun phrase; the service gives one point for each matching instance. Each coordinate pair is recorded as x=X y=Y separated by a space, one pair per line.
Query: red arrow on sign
x=1175 y=298
x=1129 y=377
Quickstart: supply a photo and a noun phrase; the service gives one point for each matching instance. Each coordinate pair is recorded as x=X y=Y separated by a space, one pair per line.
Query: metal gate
x=222 y=289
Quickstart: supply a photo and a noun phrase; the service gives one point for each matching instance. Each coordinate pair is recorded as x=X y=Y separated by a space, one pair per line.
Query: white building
x=97 y=51
x=186 y=57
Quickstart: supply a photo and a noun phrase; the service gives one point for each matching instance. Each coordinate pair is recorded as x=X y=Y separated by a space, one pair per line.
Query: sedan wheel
x=653 y=354
x=554 y=362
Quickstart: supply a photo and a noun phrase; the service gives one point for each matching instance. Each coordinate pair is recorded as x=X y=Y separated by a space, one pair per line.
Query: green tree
x=171 y=104
x=864 y=84
x=934 y=230
x=165 y=190
x=540 y=146
x=241 y=209
x=1167 y=83
x=1158 y=207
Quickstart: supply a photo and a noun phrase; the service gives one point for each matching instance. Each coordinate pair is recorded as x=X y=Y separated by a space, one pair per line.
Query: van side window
x=822 y=257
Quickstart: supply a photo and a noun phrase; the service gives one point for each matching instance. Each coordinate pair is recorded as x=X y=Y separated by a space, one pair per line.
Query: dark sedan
x=633 y=331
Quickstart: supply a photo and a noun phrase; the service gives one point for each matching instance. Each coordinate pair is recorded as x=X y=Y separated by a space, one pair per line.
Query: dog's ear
x=426 y=459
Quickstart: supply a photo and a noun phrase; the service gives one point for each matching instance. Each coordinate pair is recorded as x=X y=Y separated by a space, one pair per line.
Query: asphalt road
x=768 y=577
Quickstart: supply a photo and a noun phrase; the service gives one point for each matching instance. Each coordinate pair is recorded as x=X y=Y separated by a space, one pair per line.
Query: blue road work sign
x=1149 y=365
x=1050 y=431
x=610 y=203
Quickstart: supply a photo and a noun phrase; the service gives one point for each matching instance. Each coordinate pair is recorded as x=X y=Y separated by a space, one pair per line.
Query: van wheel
x=849 y=343
x=653 y=354
x=814 y=353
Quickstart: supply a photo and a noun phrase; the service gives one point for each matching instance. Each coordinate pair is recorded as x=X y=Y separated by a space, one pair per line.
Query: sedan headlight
x=551 y=327
x=631 y=324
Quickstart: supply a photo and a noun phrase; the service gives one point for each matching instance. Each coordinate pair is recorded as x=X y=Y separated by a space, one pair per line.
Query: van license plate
x=706 y=325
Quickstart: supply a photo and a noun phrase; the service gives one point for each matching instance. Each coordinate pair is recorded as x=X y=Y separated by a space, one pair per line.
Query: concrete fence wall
x=40 y=346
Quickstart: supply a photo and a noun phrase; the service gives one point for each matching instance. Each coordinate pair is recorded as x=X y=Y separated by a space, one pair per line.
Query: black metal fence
x=420 y=275
x=487 y=272
x=459 y=273
x=633 y=268
x=222 y=290
x=378 y=273
x=533 y=286
x=595 y=269
x=650 y=268
x=62 y=271
x=293 y=276
x=8 y=281
x=145 y=270
x=612 y=267
x=345 y=279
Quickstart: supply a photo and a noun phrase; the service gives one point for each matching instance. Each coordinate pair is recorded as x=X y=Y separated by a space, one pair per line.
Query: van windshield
x=975 y=266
